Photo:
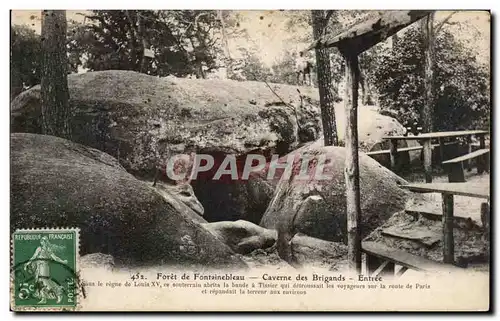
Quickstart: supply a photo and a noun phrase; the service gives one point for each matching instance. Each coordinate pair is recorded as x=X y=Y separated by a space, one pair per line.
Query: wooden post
x=352 y=161
x=469 y=150
x=428 y=160
x=448 y=241
x=441 y=150
x=394 y=154
x=481 y=160
x=485 y=221
x=456 y=173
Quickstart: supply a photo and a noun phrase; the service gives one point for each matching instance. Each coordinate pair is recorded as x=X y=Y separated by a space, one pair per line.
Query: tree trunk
x=427 y=112
x=326 y=94
x=56 y=113
x=200 y=73
x=133 y=39
x=144 y=43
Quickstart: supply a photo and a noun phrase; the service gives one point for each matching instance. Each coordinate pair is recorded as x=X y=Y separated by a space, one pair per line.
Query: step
x=420 y=234
x=458 y=221
x=405 y=259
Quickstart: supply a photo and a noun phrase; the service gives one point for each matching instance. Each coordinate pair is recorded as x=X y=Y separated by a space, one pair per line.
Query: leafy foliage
x=25 y=53
x=461 y=83
x=284 y=70
x=251 y=68
x=183 y=42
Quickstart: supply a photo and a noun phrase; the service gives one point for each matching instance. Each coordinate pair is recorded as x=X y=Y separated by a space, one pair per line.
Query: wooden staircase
x=384 y=260
x=381 y=259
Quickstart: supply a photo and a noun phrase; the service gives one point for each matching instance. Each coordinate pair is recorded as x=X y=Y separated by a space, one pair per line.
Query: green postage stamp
x=44 y=269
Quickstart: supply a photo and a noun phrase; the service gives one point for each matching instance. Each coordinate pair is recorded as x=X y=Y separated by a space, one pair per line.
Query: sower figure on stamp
x=41 y=262
x=303 y=68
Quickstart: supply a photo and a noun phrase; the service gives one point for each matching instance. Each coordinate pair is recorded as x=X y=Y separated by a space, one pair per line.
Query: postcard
x=232 y=160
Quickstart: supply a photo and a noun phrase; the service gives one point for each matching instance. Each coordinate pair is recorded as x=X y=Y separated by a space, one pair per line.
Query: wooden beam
x=388 y=151
x=475 y=154
x=448 y=239
x=352 y=161
x=464 y=189
x=440 y=135
x=406 y=149
x=386 y=268
x=400 y=272
x=403 y=258
x=373 y=30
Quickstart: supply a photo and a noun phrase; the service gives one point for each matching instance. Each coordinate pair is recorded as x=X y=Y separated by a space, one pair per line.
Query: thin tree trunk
x=427 y=113
x=326 y=94
x=200 y=73
x=56 y=113
x=133 y=40
x=144 y=42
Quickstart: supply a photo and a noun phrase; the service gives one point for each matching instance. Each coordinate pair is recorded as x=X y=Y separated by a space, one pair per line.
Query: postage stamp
x=44 y=269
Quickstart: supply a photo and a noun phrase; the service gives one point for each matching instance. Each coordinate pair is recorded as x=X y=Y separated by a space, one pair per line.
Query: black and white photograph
x=250 y=160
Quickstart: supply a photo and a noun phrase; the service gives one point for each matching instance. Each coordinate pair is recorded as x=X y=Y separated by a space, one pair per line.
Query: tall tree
x=461 y=81
x=427 y=25
x=326 y=95
x=56 y=112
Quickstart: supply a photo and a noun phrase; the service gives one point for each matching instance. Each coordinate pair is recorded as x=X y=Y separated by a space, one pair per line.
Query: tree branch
x=440 y=25
x=329 y=13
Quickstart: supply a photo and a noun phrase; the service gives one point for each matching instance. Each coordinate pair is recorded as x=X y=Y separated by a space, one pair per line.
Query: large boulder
x=318 y=207
x=141 y=119
x=58 y=183
x=251 y=198
x=373 y=126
